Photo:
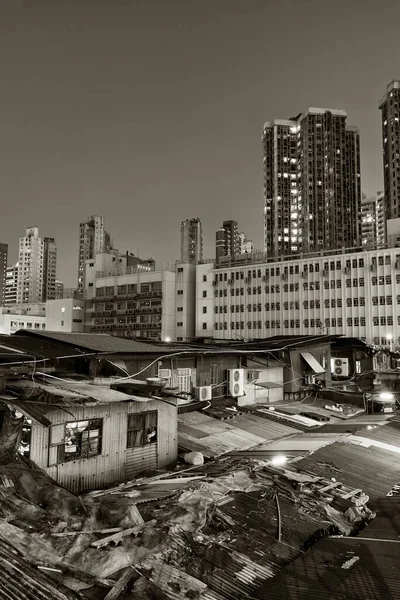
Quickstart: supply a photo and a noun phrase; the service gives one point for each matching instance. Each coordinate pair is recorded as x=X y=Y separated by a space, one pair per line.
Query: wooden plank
x=329 y=487
x=115 y=538
x=110 y=530
x=352 y=493
x=121 y=584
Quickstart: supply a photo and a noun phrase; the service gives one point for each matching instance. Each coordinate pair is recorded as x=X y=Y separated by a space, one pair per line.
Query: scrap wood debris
x=111 y=541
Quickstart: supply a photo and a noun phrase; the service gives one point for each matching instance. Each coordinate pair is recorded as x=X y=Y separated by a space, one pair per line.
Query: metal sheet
x=141 y=459
x=313 y=363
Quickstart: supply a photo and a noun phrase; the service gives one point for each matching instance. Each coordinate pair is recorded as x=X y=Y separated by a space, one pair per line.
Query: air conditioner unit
x=340 y=367
x=204 y=392
x=164 y=373
x=236 y=382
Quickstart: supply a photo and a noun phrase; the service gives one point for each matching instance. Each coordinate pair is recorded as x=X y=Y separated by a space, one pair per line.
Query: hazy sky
x=151 y=111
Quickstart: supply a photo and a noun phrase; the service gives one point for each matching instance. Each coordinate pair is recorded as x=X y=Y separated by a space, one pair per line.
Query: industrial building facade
x=139 y=301
x=312 y=187
x=352 y=292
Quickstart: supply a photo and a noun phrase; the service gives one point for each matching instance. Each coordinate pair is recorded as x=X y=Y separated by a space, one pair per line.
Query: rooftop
x=338 y=568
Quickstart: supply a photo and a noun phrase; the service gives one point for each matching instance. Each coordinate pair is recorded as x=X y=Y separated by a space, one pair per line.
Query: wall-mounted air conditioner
x=236 y=382
x=164 y=373
x=204 y=392
x=340 y=367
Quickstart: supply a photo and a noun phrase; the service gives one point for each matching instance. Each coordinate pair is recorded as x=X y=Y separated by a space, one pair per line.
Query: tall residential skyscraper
x=37 y=263
x=10 y=296
x=390 y=107
x=373 y=221
x=191 y=241
x=227 y=241
x=3 y=271
x=312 y=187
x=92 y=239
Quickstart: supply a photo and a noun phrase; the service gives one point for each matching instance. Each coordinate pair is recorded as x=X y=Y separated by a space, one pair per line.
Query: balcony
x=108 y=298
x=154 y=294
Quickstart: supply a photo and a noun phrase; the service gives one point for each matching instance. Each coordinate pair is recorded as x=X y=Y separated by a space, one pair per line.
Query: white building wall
x=185 y=302
x=205 y=303
x=30 y=282
x=65 y=315
x=25 y=316
x=353 y=293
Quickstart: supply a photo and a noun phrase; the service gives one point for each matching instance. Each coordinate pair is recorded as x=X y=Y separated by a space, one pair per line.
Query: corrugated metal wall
x=141 y=459
x=110 y=466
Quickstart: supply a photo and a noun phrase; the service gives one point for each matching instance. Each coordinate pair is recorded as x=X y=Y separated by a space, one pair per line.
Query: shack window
x=75 y=440
x=142 y=429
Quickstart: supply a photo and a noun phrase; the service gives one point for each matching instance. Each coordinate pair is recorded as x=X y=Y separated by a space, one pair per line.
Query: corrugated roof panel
x=337 y=569
x=372 y=469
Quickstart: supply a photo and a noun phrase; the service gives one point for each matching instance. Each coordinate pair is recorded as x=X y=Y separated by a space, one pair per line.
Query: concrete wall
x=205 y=300
x=65 y=315
x=185 y=303
x=258 y=395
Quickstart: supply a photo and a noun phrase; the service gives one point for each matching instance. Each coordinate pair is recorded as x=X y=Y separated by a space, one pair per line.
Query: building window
x=204 y=310
x=77 y=320
x=142 y=429
x=180 y=292
x=74 y=440
x=204 y=293
x=180 y=269
x=179 y=324
x=90 y=284
x=179 y=309
x=204 y=278
x=204 y=325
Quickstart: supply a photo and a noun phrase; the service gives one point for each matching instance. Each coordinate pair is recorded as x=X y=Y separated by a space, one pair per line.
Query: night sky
x=151 y=111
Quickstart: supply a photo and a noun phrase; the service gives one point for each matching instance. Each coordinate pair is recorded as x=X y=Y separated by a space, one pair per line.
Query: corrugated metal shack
x=86 y=436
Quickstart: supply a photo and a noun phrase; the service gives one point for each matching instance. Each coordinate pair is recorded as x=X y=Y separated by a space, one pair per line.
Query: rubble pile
x=174 y=535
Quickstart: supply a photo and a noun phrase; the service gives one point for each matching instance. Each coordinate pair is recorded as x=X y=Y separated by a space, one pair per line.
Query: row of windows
x=308 y=323
x=308 y=268
x=307 y=286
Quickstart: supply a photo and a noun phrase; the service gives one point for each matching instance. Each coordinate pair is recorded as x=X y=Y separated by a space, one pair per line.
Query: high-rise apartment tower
x=227 y=241
x=37 y=263
x=312 y=187
x=191 y=241
x=3 y=272
x=390 y=107
x=93 y=239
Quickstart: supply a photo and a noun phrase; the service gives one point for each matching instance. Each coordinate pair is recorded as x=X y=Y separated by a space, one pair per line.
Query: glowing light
x=167 y=339
x=278 y=460
x=386 y=396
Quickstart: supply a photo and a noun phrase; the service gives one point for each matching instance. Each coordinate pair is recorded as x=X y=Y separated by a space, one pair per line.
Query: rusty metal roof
x=19 y=580
x=337 y=569
x=373 y=469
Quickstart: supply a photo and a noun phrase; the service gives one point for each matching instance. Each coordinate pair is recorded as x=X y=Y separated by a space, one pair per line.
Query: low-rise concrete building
x=65 y=314
x=22 y=316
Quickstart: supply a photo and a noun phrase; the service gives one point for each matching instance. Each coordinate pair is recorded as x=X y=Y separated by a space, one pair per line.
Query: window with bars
x=142 y=429
x=74 y=440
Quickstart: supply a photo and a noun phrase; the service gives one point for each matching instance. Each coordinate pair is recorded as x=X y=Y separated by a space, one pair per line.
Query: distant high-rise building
x=373 y=220
x=59 y=290
x=227 y=242
x=191 y=241
x=390 y=107
x=312 y=188
x=49 y=269
x=246 y=246
x=93 y=239
x=36 y=267
x=10 y=296
x=3 y=271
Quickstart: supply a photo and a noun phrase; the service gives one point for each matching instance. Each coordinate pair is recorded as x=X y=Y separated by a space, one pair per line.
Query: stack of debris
x=209 y=532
